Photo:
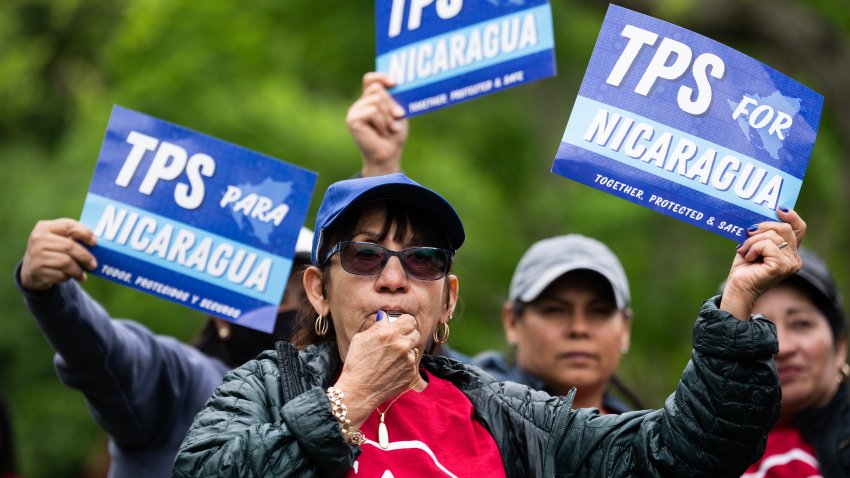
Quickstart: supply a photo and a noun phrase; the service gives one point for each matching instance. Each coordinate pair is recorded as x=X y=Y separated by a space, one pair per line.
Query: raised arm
x=763 y=260
x=377 y=124
x=132 y=379
x=717 y=421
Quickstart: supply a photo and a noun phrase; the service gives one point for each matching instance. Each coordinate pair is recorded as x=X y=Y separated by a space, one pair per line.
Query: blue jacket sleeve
x=139 y=387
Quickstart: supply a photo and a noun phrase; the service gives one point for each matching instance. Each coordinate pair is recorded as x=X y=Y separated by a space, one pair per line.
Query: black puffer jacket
x=714 y=425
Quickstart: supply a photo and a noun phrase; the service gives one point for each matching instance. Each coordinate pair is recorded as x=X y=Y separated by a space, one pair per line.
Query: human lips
x=578 y=357
x=788 y=372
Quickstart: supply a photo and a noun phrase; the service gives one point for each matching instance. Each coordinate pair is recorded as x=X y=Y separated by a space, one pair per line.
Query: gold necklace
x=383 y=436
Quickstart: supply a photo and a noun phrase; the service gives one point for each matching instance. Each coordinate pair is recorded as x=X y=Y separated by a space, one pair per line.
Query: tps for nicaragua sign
x=688 y=127
x=195 y=220
x=441 y=52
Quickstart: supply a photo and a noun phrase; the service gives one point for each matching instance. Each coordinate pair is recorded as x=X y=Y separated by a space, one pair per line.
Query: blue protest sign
x=441 y=52
x=195 y=220
x=686 y=126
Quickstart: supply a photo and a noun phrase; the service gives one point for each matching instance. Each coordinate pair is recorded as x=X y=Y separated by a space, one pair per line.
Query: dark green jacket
x=714 y=425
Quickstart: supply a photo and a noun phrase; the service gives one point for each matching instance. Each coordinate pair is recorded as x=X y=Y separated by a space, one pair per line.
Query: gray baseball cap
x=549 y=259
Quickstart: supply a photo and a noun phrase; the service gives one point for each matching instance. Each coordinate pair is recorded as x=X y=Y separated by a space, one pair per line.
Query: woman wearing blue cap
x=362 y=396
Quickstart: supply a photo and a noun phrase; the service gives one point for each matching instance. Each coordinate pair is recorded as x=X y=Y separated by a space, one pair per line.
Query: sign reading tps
x=441 y=52
x=194 y=219
x=689 y=127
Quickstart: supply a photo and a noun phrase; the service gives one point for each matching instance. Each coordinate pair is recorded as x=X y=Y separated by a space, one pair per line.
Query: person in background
x=236 y=345
x=364 y=396
x=144 y=389
x=812 y=437
x=8 y=464
x=568 y=322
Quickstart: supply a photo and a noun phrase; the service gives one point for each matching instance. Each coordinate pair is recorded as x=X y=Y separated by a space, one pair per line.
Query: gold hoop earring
x=843 y=373
x=440 y=336
x=321 y=326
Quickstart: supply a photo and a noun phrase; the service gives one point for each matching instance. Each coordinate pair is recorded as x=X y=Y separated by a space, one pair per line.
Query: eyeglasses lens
x=425 y=263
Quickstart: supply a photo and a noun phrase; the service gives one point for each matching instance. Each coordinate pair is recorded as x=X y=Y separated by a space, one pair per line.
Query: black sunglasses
x=368 y=259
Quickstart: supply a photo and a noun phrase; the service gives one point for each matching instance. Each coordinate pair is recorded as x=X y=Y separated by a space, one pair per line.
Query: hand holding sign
x=763 y=260
x=377 y=124
x=55 y=254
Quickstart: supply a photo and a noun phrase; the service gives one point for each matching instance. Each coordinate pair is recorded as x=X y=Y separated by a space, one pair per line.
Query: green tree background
x=278 y=77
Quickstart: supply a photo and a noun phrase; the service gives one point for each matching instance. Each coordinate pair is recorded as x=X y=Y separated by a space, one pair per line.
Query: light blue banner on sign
x=738 y=172
x=404 y=64
x=228 y=264
x=690 y=125
x=440 y=55
x=195 y=220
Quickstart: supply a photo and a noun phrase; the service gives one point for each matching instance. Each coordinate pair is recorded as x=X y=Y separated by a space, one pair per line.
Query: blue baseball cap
x=341 y=196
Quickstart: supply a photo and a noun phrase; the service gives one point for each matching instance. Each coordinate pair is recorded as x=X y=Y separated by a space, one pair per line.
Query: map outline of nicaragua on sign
x=195 y=220
x=689 y=127
x=442 y=52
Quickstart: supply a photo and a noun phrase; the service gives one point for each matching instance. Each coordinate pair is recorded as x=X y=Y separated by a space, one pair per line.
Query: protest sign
x=689 y=127
x=195 y=220
x=441 y=52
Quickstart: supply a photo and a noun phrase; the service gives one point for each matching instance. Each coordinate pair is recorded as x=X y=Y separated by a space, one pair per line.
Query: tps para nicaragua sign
x=441 y=52
x=686 y=126
x=195 y=220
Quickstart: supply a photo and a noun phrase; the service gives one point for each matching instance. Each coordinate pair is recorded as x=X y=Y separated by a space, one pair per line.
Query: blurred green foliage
x=278 y=77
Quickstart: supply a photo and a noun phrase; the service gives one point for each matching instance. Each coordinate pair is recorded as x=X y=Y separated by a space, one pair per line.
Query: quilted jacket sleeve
x=243 y=431
x=714 y=425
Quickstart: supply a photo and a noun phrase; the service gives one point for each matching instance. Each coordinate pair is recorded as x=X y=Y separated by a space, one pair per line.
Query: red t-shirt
x=787 y=455
x=432 y=433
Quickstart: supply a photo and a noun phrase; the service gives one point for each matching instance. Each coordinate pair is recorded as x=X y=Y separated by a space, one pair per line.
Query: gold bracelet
x=340 y=412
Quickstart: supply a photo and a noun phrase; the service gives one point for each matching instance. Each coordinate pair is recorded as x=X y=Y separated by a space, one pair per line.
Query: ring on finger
x=783 y=245
x=415 y=354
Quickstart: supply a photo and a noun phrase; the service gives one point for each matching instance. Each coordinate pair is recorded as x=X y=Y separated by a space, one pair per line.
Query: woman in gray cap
x=364 y=396
x=568 y=322
x=812 y=437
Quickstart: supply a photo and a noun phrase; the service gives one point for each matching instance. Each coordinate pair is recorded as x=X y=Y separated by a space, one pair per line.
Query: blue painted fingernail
x=739 y=245
x=380 y=316
x=783 y=208
x=753 y=228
